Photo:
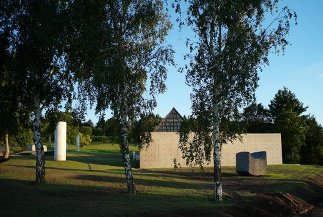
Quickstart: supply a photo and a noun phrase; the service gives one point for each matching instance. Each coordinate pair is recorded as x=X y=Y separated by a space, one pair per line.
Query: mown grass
x=91 y=183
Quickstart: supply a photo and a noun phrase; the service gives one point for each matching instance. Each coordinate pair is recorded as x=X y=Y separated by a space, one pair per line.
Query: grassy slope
x=91 y=183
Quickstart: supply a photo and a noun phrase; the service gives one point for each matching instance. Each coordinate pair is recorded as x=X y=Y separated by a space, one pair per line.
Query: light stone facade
x=163 y=149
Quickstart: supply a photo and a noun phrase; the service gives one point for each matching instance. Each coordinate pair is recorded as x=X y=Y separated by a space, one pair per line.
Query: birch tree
x=234 y=39
x=138 y=58
x=36 y=30
x=121 y=59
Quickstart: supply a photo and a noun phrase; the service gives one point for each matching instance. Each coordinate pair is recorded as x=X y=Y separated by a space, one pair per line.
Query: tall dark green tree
x=257 y=119
x=13 y=117
x=113 y=128
x=312 y=150
x=142 y=128
x=8 y=99
x=287 y=112
x=233 y=42
x=36 y=33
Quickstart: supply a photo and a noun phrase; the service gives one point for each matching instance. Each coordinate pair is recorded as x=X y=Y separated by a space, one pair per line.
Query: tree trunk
x=216 y=124
x=6 y=156
x=217 y=154
x=40 y=158
x=126 y=156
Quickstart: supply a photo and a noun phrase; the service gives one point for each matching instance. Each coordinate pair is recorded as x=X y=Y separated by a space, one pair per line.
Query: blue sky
x=300 y=69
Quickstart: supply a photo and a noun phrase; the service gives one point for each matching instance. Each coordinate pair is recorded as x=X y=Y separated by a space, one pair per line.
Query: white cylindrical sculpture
x=78 y=142
x=60 y=142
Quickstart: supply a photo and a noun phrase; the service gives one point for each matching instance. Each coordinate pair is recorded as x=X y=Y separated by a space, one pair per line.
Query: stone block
x=254 y=164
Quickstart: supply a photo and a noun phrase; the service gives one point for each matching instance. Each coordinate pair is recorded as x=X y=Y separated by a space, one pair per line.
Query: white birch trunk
x=217 y=153
x=126 y=155
x=216 y=125
x=40 y=158
x=217 y=156
x=6 y=156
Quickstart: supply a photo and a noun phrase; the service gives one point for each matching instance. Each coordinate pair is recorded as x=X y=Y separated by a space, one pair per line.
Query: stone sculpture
x=60 y=142
x=254 y=164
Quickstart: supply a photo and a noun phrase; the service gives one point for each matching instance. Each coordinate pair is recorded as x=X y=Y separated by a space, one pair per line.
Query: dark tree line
x=138 y=129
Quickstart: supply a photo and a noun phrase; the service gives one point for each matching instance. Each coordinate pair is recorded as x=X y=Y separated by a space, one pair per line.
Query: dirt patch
x=265 y=205
x=303 y=199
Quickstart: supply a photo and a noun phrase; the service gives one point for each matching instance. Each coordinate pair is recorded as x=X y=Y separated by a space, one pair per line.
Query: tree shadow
x=95 y=158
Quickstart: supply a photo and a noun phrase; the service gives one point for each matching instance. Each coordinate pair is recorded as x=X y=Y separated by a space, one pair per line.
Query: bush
x=98 y=132
x=101 y=139
x=85 y=139
x=86 y=130
x=22 y=138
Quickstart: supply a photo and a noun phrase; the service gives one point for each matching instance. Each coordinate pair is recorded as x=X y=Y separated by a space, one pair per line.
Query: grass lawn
x=91 y=183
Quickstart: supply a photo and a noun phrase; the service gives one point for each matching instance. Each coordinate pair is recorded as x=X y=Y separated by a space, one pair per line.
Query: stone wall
x=163 y=149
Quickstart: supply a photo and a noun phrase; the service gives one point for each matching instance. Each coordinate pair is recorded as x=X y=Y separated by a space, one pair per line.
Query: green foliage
x=257 y=119
x=22 y=138
x=85 y=139
x=36 y=35
x=113 y=128
x=52 y=118
x=9 y=97
x=36 y=32
x=300 y=133
x=141 y=128
x=194 y=141
x=286 y=111
x=101 y=123
x=98 y=131
x=232 y=45
x=101 y=139
x=86 y=130
x=131 y=57
x=312 y=150
x=88 y=123
x=71 y=133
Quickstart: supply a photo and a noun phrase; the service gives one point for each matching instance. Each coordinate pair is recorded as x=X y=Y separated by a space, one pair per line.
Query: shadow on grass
x=22 y=198
x=109 y=158
x=193 y=181
x=189 y=175
x=95 y=158
x=175 y=179
x=111 y=171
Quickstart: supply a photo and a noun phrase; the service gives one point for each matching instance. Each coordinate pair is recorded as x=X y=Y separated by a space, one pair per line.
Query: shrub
x=85 y=139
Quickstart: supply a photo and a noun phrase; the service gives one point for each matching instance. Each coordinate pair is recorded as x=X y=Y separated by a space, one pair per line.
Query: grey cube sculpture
x=254 y=164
